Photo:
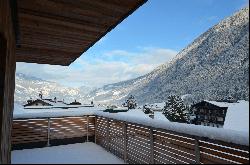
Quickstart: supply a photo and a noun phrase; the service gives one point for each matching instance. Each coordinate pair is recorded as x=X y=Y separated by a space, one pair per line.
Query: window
x=219 y=119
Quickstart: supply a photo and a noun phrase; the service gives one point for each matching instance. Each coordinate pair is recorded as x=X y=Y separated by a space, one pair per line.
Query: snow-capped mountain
x=29 y=87
x=214 y=66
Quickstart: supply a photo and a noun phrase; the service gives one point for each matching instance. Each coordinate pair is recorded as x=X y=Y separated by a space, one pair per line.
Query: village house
x=37 y=102
x=209 y=113
x=44 y=104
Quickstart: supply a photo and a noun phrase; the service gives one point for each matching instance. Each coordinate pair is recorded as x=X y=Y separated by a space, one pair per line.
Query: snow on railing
x=230 y=136
x=136 y=139
x=145 y=144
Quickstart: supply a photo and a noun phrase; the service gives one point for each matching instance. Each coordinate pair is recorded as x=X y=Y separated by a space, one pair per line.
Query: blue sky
x=151 y=36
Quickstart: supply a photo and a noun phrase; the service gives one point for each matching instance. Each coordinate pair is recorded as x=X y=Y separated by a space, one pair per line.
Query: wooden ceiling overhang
x=57 y=32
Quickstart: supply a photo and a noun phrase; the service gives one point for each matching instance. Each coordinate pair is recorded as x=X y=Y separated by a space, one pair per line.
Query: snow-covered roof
x=58 y=104
x=237 y=117
x=219 y=104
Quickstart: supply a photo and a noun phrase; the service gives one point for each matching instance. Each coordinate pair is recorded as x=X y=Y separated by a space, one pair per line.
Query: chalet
x=75 y=103
x=37 y=102
x=209 y=113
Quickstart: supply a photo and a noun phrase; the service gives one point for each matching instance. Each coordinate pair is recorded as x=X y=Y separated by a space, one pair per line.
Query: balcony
x=129 y=139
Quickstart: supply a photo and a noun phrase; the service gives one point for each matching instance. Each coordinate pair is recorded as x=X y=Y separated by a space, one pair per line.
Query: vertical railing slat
x=151 y=146
x=108 y=135
x=87 y=128
x=125 y=142
x=95 y=128
x=197 y=151
x=48 y=133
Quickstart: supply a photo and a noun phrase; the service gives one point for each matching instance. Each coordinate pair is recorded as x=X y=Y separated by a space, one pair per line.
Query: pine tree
x=131 y=102
x=175 y=110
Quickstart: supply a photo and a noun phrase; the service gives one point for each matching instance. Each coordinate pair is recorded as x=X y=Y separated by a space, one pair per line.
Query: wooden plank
x=63 y=21
x=214 y=159
x=138 y=136
x=168 y=157
x=223 y=155
x=82 y=12
x=138 y=157
x=174 y=143
x=173 y=136
x=226 y=150
x=162 y=148
x=176 y=155
x=140 y=149
x=226 y=144
x=27 y=133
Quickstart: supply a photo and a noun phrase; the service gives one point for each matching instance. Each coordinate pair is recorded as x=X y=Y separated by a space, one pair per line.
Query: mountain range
x=214 y=66
x=29 y=87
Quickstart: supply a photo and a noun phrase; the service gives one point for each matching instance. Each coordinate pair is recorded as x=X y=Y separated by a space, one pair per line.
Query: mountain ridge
x=208 y=52
x=214 y=66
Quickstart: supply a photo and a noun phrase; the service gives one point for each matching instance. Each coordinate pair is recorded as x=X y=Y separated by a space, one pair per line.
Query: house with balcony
x=209 y=113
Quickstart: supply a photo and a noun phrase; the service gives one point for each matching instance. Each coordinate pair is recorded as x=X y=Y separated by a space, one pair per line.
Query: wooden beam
x=15 y=21
x=7 y=79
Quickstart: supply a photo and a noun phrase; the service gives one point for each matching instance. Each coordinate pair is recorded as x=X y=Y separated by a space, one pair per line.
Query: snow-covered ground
x=160 y=116
x=81 y=153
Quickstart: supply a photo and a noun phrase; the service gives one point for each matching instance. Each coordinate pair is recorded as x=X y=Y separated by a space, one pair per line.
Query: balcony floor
x=81 y=153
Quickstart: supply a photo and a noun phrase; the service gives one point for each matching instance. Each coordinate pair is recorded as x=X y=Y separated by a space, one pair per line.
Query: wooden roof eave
x=61 y=37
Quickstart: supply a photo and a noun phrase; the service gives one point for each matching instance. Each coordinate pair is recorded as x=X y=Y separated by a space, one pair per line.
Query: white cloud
x=123 y=65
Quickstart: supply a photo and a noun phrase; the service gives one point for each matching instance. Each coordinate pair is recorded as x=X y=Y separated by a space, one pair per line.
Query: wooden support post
x=125 y=136
x=48 y=133
x=95 y=129
x=7 y=79
x=108 y=135
x=197 y=151
x=87 y=128
x=152 y=146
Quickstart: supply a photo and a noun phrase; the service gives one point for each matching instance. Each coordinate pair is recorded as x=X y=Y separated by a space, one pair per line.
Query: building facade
x=209 y=114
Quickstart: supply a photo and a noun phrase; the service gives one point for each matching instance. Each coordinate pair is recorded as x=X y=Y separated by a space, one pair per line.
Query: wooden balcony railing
x=44 y=131
x=132 y=142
